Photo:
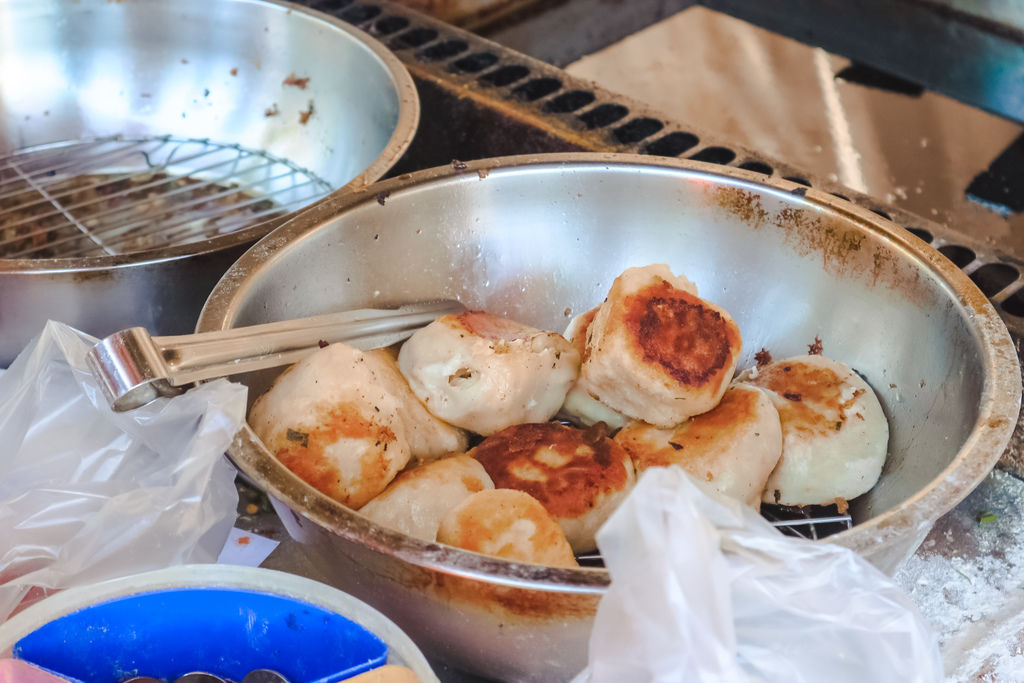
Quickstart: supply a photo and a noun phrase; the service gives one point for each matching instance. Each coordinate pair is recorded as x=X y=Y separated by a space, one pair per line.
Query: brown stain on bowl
x=810 y=232
x=997 y=423
x=513 y=603
x=743 y=204
x=887 y=262
x=295 y=81
x=844 y=243
x=96 y=275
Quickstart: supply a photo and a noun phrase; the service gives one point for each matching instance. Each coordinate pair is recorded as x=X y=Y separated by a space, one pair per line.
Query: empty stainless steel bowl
x=266 y=95
x=541 y=238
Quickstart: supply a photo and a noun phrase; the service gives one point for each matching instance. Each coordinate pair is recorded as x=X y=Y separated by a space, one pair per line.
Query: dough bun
x=484 y=373
x=345 y=422
x=416 y=501
x=834 y=434
x=580 y=476
x=508 y=524
x=580 y=407
x=731 y=449
x=656 y=352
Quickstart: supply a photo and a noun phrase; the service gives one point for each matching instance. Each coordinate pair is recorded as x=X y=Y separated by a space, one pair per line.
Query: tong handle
x=133 y=368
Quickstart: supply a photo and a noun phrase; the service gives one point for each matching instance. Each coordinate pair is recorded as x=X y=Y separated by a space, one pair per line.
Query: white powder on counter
x=967 y=579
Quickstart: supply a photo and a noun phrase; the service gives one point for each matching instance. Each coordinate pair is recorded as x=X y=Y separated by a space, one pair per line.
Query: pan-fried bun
x=509 y=524
x=483 y=373
x=656 y=352
x=580 y=407
x=429 y=438
x=417 y=499
x=331 y=421
x=580 y=476
x=731 y=449
x=834 y=433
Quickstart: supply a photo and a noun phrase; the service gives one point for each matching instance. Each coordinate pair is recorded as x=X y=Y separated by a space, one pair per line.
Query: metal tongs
x=133 y=368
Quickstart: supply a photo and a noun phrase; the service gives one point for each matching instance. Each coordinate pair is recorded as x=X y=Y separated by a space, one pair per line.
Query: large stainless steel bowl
x=540 y=238
x=189 y=69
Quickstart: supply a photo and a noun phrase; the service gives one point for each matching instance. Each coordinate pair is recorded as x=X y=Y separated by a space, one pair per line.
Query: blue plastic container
x=224 y=631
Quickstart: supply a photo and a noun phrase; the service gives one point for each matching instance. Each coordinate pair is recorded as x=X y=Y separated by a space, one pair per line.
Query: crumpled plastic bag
x=87 y=494
x=705 y=589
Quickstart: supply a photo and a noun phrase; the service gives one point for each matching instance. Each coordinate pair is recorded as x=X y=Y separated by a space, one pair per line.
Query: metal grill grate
x=813 y=522
x=118 y=196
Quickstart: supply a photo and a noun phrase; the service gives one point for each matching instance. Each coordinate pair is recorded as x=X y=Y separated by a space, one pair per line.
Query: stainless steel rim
x=998 y=409
x=401 y=138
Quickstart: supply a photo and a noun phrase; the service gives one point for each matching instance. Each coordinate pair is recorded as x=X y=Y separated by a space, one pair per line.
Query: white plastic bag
x=87 y=494
x=704 y=589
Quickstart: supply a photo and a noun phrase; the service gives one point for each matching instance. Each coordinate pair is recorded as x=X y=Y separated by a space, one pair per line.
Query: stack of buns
x=646 y=379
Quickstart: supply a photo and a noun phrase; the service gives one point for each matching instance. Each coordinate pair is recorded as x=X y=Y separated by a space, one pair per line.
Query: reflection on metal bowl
x=541 y=238
x=145 y=145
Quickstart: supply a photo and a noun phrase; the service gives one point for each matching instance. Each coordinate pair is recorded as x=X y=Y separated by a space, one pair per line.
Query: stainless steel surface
x=918 y=152
x=267 y=76
x=119 y=196
x=133 y=368
x=972 y=51
x=533 y=238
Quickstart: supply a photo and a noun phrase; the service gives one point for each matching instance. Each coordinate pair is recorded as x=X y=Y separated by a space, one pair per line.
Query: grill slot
x=119 y=196
x=715 y=155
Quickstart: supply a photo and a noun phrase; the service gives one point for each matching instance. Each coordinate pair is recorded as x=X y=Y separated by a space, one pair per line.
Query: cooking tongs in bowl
x=133 y=368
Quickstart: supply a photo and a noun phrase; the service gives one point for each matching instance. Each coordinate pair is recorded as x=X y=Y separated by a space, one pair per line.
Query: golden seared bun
x=331 y=420
x=484 y=373
x=580 y=476
x=731 y=449
x=580 y=407
x=417 y=499
x=834 y=433
x=508 y=524
x=656 y=352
